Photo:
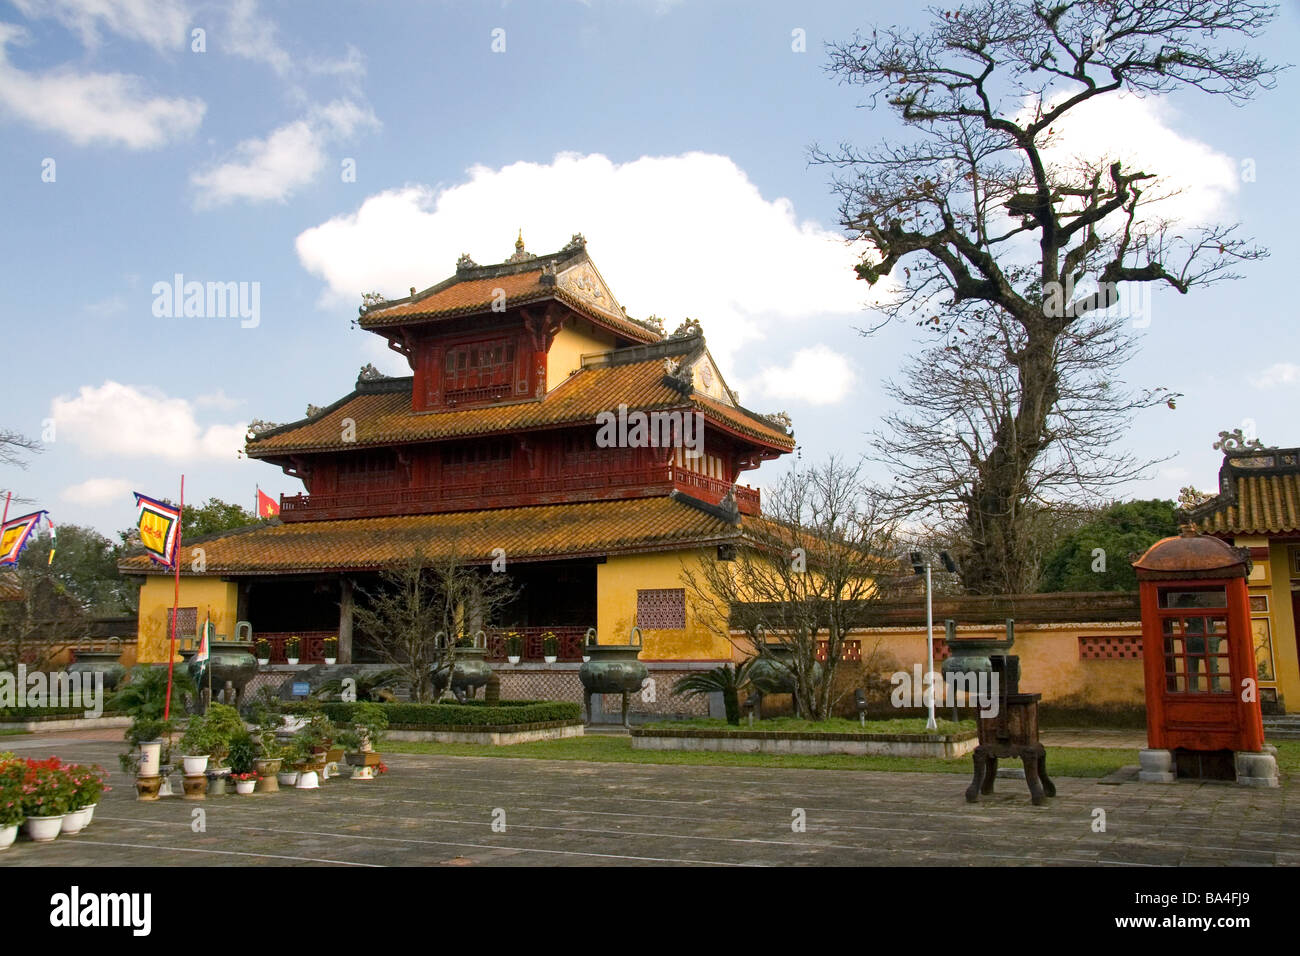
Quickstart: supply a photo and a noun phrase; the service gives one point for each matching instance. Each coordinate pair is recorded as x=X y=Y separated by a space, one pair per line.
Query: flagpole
x=176 y=603
x=8 y=495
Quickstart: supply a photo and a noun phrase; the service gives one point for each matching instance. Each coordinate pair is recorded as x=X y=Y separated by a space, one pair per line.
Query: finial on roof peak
x=520 y=253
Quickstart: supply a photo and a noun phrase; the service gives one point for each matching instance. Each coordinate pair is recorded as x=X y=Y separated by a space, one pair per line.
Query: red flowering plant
x=88 y=784
x=380 y=767
x=47 y=788
x=11 y=790
x=245 y=776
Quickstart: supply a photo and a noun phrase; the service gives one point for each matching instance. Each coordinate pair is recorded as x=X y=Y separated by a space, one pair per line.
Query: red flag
x=267 y=507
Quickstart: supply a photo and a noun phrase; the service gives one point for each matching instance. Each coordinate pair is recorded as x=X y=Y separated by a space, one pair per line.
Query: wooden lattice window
x=661 y=609
x=187 y=626
x=1126 y=647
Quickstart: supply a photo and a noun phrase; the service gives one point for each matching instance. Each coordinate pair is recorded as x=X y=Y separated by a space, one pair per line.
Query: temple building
x=543 y=428
x=1258 y=507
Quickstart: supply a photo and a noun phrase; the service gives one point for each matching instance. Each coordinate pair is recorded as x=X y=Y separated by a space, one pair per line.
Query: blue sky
x=674 y=136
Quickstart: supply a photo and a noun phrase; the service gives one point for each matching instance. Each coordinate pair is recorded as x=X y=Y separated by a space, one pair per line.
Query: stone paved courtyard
x=437 y=809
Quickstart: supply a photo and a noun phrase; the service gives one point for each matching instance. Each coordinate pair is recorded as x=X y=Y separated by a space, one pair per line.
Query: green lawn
x=1061 y=761
x=836 y=725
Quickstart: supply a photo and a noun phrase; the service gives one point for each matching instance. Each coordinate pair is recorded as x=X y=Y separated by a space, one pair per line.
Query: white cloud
x=106 y=308
x=98 y=491
x=675 y=236
x=219 y=400
x=126 y=421
x=1140 y=132
x=160 y=23
x=272 y=169
x=1280 y=373
x=816 y=375
x=93 y=107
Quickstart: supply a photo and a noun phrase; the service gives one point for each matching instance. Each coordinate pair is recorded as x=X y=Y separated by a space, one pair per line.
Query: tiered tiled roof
x=522 y=280
x=382 y=414
x=1259 y=493
x=535 y=533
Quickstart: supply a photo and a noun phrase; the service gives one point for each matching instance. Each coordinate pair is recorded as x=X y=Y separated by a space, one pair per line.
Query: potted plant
x=369 y=721
x=245 y=782
x=291 y=649
x=47 y=793
x=331 y=651
x=292 y=756
x=87 y=786
x=263 y=647
x=550 y=647
x=514 y=647
x=11 y=798
x=197 y=746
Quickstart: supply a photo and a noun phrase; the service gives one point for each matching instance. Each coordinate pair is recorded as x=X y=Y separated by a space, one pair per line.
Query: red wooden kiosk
x=1203 y=713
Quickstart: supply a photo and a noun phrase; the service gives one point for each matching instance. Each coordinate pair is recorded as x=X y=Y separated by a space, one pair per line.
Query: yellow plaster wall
x=210 y=595
x=618 y=580
x=1049 y=659
x=568 y=347
x=1285 y=662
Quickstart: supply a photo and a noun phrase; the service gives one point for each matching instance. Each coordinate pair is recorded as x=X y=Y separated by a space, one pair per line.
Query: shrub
x=475 y=714
x=88 y=785
x=243 y=751
x=11 y=790
x=47 y=788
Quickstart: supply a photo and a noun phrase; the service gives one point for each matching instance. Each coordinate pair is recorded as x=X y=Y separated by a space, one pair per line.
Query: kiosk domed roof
x=1190 y=551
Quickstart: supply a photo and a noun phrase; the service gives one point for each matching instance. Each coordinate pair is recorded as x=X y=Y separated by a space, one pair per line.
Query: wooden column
x=345 y=620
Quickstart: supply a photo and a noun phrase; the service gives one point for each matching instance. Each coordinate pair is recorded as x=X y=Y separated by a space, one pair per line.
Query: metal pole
x=929 y=636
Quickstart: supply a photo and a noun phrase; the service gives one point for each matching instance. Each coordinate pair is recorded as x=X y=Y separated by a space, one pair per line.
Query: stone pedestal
x=1256 y=769
x=1156 y=766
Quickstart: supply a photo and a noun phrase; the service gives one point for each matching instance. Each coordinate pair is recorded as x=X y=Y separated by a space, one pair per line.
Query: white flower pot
x=585 y=658
x=90 y=813
x=363 y=773
x=513 y=658
x=43 y=829
x=287 y=778
x=195 y=765
x=308 y=780
x=550 y=660
x=292 y=660
x=150 y=755
x=245 y=786
x=8 y=835
x=263 y=661
x=75 y=821
x=331 y=661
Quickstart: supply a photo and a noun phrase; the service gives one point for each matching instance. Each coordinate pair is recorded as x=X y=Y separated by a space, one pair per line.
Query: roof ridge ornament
x=1235 y=440
x=521 y=254
x=465 y=263
x=369 y=373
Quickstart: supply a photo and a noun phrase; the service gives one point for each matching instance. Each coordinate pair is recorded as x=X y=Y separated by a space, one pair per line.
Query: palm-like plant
x=727 y=679
x=145 y=694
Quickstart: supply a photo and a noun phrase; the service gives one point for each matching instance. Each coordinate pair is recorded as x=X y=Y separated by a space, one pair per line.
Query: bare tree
x=804 y=576
x=423 y=608
x=983 y=230
x=14 y=449
x=950 y=436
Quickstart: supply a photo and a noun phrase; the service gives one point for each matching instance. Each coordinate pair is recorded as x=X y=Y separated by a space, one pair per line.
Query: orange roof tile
x=535 y=533
x=385 y=417
x=467 y=296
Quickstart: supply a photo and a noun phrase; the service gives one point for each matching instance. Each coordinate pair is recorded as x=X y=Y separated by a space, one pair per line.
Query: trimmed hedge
x=50 y=713
x=478 y=714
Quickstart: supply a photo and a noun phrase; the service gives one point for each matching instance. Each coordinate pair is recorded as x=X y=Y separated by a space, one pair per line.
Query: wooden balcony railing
x=311 y=645
x=568 y=637
x=496 y=492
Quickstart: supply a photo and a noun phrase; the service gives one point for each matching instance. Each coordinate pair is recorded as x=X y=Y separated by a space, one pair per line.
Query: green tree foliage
x=1106 y=542
x=212 y=516
x=84 y=569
